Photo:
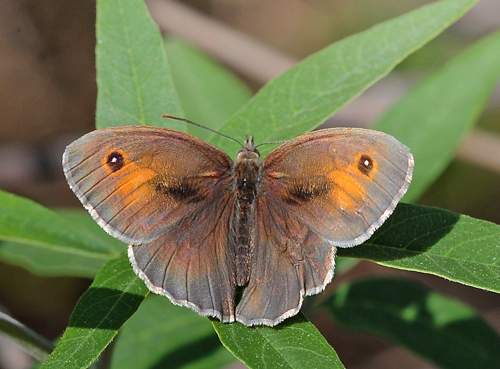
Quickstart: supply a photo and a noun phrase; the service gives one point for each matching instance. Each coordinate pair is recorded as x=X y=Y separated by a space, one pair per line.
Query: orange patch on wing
x=348 y=190
x=131 y=183
x=128 y=177
x=345 y=192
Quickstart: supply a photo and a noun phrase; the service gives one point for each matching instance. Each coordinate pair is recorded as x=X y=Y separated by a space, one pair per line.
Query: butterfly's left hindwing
x=167 y=194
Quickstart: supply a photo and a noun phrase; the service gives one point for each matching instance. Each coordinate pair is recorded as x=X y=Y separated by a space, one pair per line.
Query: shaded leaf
x=343 y=265
x=162 y=335
x=438 y=242
x=84 y=221
x=437 y=327
x=113 y=297
x=209 y=93
x=44 y=242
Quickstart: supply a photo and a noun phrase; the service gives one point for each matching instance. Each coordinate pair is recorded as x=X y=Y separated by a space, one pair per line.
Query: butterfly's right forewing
x=138 y=181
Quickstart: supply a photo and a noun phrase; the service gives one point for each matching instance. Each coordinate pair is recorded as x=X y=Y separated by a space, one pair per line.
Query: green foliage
x=437 y=113
x=208 y=93
x=146 y=339
x=306 y=95
x=437 y=242
x=136 y=85
x=295 y=343
x=423 y=321
x=45 y=243
x=113 y=297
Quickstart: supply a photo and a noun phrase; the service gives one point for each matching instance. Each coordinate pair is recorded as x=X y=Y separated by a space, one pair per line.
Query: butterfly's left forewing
x=343 y=183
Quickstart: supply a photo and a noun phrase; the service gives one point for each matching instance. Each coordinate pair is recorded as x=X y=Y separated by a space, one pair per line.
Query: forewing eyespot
x=115 y=161
x=365 y=164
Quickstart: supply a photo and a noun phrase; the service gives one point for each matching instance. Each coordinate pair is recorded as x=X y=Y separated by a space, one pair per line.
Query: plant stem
x=30 y=341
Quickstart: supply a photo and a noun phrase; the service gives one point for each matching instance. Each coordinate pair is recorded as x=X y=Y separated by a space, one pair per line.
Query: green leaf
x=44 y=242
x=439 y=242
x=209 y=93
x=295 y=343
x=113 y=297
x=434 y=116
x=437 y=327
x=302 y=98
x=162 y=335
x=133 y=77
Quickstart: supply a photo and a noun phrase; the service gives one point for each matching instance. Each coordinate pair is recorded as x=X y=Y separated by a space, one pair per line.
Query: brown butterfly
x=199 y=224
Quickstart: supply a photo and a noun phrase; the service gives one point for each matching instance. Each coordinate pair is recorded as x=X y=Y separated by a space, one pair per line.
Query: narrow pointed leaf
x=303 y=97
x=133 y=76
x=44 y=242
x=439 y=242
x=434 y=116
x=162 y=335
x=209 y=93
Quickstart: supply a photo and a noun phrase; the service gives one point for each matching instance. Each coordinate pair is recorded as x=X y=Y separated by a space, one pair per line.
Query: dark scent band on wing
x=304 y=193
x=181 y=192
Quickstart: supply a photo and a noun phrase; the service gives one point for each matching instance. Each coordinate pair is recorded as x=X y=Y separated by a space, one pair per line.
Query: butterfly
x=199 y=225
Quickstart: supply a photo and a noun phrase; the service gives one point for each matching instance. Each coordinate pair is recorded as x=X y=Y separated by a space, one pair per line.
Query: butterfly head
x=248 y=151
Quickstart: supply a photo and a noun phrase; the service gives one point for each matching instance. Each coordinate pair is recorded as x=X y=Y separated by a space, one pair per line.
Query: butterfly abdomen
x=247 y=177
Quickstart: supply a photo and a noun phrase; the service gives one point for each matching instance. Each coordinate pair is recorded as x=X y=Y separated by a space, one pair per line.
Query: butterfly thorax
x=247 y=179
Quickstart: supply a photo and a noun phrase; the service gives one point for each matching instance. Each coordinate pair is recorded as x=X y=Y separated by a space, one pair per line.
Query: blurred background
x=48 y=93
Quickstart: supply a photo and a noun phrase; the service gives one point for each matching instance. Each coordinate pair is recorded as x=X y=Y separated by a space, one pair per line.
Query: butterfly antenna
x=271 y=142
x=201 y=126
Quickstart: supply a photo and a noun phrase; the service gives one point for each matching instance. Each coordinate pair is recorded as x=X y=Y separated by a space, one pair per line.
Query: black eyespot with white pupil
x=365 y=164
x=115 y=161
